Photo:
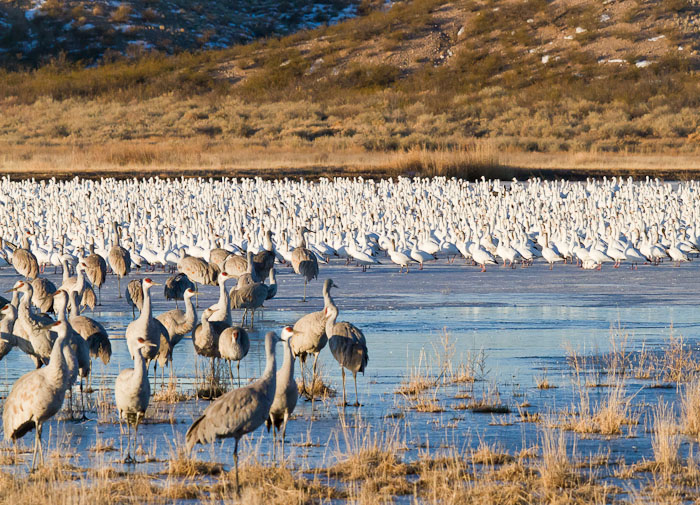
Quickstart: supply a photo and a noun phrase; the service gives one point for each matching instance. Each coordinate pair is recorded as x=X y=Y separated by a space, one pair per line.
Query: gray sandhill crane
x=132 y=392
x=96 y=270
x=119 y=259
x=38 y=395
x=236 y=265
x=177 y=324
x=33 y=327
x=234 y=344
x=23 y=259
x=286 y=391
x=310 y=336
x=78 y=345
x=249 y=276
x=134 y=296
x=248 y=297
x=92 y=332
x=240 y=411
x=348 y=346
x=265 y=260
x=180 y=323
x=221 y=310
x=146 y=327
x=198 y=271
x=8 y=339
x=304 y=261
x=218 y=256
x=43 y=294
x=205 y=337
x=272 y=287
x=78 y=283
x=176 y=286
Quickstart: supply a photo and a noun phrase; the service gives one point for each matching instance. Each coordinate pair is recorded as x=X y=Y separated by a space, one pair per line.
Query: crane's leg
x=99 y=295
x=36 y=442
x=243 y=319
x=343 y=372
x=82 y=399
x=133 y=313
x=357 y=401
x=274 y=438
x=238 y=369
x=304 y=290
x=303 y=380
x=176 y=305
x=119 y=286
x=196 y=294
x=155 y=376
x=230 y=372
x=284 y=430
x=252 y=315
x=128 y=443
x=235 y=461
x=313 y=383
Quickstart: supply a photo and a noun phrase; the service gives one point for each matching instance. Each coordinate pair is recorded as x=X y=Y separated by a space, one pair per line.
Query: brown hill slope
x=501 y=76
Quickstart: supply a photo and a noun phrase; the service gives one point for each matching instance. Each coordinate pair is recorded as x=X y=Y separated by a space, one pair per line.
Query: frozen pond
x=522 y=321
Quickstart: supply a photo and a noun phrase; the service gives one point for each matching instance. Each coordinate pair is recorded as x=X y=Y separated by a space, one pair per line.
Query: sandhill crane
x=248 y=297
x=310 y=336
x=236 y=265
x=23 y=259
x=96 y=270
x=92 y=332
x=77 y=344
x=348 y=346
x=240 y=411
x=176 y=286
x=286 y=391
x=37 y=395
x=233 y=346
x=198 y=271
x=132 y=392
x=265 y=260
x=218 y=256
x=250 y=276
x=177 y=324
x=304 y=261
x=134 y=296
x=146 y=327
x=221 y=310
x=43 y=294
x=78 y=283
x=8 y=339
x=119 y=259
x=33 y=327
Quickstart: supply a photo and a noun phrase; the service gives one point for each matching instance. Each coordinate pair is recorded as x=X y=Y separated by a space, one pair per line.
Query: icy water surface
x=523 y=322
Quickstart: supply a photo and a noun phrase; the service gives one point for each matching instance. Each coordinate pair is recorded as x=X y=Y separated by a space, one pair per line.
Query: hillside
x=32 y=31
x=416 y=84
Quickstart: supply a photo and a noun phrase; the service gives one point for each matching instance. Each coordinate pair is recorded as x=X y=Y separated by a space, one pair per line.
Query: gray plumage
x=205 y=337
x=264 y=260
x=248 y=297
x=249 y=276
x=272 y=287
x=32 y=327
x=119 y=260
x=304 y=261
x=134 y=296
x=218 y=256
x=92 y=332
x=132 y=392
x=286 y=391
x=37 y=396
x=221 y=310
x=236 y=265
x=145 y=326
x=180 y=323
x=8 y=339
x=198 y=271
x=310 y=335
x=240 y=411
x=348 y=346
x=234 y=344
x=43 y=294
x=23 y=259
x=96 y=269
x=176 y=286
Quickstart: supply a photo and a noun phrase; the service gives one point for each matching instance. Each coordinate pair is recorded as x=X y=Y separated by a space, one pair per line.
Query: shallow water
x=524 y=321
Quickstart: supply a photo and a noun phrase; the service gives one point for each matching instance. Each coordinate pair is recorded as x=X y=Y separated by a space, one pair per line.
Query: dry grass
x=690 y=408
x=664 y=440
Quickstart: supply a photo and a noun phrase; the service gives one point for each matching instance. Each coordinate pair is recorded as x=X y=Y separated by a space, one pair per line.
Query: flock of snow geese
x=210 y=232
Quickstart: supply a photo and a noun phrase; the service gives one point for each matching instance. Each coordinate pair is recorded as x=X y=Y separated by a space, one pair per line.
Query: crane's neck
x=25 y=242
x=57 y=368
x=66 y=271
x=268 y=375
x=74 y=304
x=139 y=367
x=190 y=313
x=146 y=310
x=287 y=370
x=332 y=315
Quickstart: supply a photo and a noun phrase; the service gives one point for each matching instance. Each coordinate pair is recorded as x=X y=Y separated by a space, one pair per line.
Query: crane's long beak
x=11 y=290
x=156 y=284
